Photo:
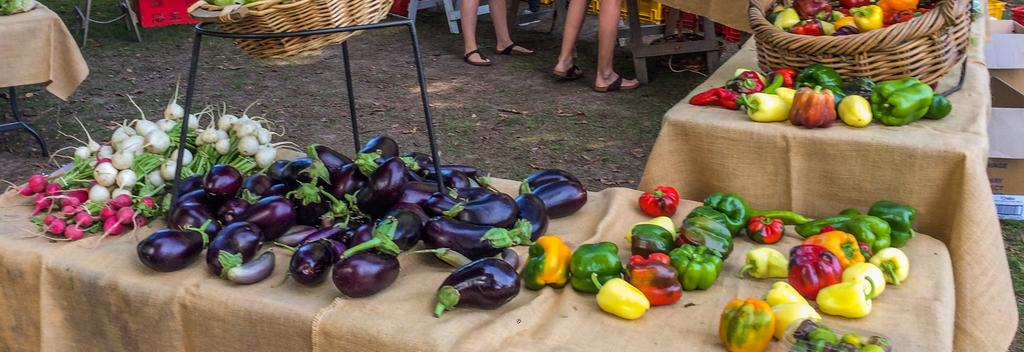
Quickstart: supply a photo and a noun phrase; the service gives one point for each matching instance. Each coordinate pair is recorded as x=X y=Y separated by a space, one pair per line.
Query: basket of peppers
x=844 y=263
x=817 y=95
x=877 y=39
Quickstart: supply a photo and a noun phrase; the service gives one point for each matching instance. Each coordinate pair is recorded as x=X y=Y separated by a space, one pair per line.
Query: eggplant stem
x=448 y=256
x=285 y=246
x=447 y=298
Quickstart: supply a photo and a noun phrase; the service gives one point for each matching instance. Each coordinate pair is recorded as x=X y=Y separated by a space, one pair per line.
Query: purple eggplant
x=413 y=208
x=424 y=161
x=296 y=235
x=365 y=273
x=473 y=241
x=532 y=209
x=280 y=189
x=331 y=158
x=493 y=209
x=197 y=196
x=189 y=184
x=330 y=232
x=169 y=250
x=254 y=271
x=384 y=188
x=409 y=228
x=360 y=234
x=273 y=215
x=346 y=180
x=473 y=193
x=188 y=216
x=510 y=256
x=561 y=198
x=452 y=178
x=257 y=184
x=486 y=283
x=543 y=177
x=293 y=173
x=222 y=181
x=310 y=262
x=337 y=248
x=277 y=171
x=470 y=171
x=440 y=204
x=417 y=193
x=309 y=214
x=234 y=244
x=387 y=147
x=231 y=210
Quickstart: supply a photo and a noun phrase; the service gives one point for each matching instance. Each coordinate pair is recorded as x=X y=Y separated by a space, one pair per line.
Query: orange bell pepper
x=746 y=325
x=844 y=21
x=897 y=5
x=842 y=244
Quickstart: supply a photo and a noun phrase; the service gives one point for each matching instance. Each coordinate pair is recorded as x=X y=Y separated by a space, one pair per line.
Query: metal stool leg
x=426 y=108
x=85 y=23
x=351 y=96
x=189 y=92
x=132 y=19
x=19 y=124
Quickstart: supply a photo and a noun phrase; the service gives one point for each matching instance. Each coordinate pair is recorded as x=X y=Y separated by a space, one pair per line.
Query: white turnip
x=99 y=193
x=105 y=174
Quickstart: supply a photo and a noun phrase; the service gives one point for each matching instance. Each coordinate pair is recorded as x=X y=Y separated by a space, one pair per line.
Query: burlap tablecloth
x=36 y=48
x=732 y=13
x=936 y=166
x=71 y=296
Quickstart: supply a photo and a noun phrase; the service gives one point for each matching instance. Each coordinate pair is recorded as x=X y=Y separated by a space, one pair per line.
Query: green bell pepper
x=871 y=230
x=709 y=212
x=821 y=76
x=902 y=101
x=698 y=266
x=736 y=210
x=594 y=258
x=900 y=218
x=940 y=108
x=649 y=239
x=702 y=230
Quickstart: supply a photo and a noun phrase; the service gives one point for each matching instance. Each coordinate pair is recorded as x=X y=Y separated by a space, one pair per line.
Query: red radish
x=68 y=210
x=42 y=202
x=57 y=227
x=107 y=212
x=112 y=227
x=121 y=201
x=139 y=221
x=148 y=202
x=52 y=189
x=49 y=219
x=83 y=219
x=37 y=183
x=74 y=232
x=70 y=201
x=25 y=191
x=125 y=215
x=79 y=194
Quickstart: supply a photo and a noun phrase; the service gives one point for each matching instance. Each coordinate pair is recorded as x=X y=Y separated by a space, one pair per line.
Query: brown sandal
x=615 y=86
x=574 y=73
x=511 y=50
x=486 y=62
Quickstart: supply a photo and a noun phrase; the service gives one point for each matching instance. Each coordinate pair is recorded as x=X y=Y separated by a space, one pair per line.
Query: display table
x=936 y=166
x=62 y=296
x=732 y=13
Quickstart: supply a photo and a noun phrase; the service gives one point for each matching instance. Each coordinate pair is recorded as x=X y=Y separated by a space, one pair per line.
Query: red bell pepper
x=812 y=268
x=854 y=3
x=662 y=202
x=808 y=27
x=656 y=278
x=765 y=230
x=717 y=97
x=747 y=82
x=788 y=76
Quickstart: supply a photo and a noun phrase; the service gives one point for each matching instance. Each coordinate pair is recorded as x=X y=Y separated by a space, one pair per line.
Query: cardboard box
x=1004 y=55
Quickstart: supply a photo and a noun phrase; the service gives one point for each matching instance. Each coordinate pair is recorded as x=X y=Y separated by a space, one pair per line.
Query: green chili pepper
x=787 y=217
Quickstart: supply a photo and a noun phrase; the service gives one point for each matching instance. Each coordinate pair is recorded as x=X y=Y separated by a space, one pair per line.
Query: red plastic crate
x=400 y=7
x=159 y=13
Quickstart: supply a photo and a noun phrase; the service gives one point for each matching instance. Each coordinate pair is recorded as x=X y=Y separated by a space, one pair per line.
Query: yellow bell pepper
x=855 y=111
x=894 y=264
x=842 y=244
x=548 y=264
x=617 y=297
x=787 y=18
x=782 y=292
x=787 y=313
x=845 y=21
x=662 y=222
x=786 y=94
x=868 y=18
x=765 y=262
x=846 y=299
x=763 y=107
x=864 y=272
x=746 y=325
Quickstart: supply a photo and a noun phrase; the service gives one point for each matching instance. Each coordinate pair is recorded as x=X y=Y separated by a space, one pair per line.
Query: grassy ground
x=508 y=119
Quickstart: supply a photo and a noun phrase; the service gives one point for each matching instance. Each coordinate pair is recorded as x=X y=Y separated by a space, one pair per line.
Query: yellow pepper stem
x=889 y=268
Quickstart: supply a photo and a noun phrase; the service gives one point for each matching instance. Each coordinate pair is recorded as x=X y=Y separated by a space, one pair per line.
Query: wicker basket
x=926 y=47
x=276 y=16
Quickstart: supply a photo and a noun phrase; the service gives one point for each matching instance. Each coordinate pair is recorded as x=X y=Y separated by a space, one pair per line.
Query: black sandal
x=510 y=50
x=486 y=61
x=615 y=86
x=574 y=73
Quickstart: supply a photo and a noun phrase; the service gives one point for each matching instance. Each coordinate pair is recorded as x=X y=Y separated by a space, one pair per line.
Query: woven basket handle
x=954 y=11
x=230 y=13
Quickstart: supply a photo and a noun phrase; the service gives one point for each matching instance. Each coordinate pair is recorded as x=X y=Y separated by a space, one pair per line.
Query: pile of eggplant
x=350 y=218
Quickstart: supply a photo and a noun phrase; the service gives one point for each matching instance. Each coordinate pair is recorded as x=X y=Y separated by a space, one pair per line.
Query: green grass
x=1013 y=237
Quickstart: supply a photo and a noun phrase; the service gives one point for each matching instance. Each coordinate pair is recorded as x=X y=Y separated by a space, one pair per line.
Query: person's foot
x=614 y=82
x=511 y=48
x=475 y=58
x=564 y=66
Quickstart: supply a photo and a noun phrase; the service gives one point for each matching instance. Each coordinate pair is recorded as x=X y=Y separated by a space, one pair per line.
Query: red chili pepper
x=662 y=202
x=656 y=278
x=717 y=97
x=747 y=82
x=788 y=76
x=765 y=230
x=809 y=27
x=812 y=268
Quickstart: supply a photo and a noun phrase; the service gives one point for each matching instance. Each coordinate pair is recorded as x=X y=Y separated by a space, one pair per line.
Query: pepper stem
x=597 y=283
x=873 y=288
x=447 y=298
x=746 y=269
x=888 y=268
x=448 y=255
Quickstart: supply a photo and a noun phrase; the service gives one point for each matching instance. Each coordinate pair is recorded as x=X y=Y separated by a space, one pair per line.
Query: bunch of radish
x=71 y=214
